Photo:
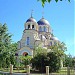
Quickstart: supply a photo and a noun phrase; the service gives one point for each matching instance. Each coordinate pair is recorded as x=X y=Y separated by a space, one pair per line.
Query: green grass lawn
x=64 y=71
x=15 y=71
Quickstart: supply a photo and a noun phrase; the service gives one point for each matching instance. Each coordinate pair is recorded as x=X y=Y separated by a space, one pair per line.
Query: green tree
x=5 y=40
x=39 y=50
x=12 y=51
x=53 y=58
x=60 y=48
x=69 y=61
x=44 y=1
x=41 y=60
x=54 y=61
x=73 y=62
x=7 y=49
x=25 y=60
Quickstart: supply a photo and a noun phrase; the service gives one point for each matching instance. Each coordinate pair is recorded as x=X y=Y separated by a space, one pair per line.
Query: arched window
x=28 y=26
x=48 y=29
x=55 y=43
x=41 y=37
x=25 y=54
x=32 y=26
x=44 y=29
x=28 y=40
x=50 y=43
x=40 y=28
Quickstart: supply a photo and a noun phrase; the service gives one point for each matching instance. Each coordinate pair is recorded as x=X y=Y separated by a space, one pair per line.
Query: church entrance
x=25 y=54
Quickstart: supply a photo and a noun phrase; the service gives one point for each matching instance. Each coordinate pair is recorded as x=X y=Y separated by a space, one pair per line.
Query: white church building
x=36 y=34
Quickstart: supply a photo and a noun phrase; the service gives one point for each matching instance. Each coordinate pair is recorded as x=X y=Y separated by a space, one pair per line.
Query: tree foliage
x=25 y=60
x=54 y=61
x=44 y=1
x=40 y=61
x=5 y=38
x=69 y=61
x=50 y=58
x=7 y=49
x=60 y=48
x=39 y=50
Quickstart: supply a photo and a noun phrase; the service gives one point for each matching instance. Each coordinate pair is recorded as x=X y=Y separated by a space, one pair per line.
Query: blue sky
x=60 y=16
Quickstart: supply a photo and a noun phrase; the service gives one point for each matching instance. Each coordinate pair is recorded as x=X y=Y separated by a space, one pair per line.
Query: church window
x=25 y=54
x=41 y=37
x=40 y=28
x=54 y=43
x=28 y=40
x=28 y=26
x=44 y=29
x=50 y=43
x=32 y=26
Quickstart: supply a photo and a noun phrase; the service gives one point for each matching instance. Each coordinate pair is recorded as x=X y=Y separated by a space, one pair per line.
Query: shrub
x=41 y=60
x=54 y=62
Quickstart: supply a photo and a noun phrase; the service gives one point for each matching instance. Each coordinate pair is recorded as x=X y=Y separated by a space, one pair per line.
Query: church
x=36 y=34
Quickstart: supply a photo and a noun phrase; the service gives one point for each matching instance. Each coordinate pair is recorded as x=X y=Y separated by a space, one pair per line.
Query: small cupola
x=31 y=24
x=43 y=21
x=31 y=19
x=43 y=25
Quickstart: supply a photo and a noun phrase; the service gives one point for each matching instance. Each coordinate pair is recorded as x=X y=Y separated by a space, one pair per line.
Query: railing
x=65 y=71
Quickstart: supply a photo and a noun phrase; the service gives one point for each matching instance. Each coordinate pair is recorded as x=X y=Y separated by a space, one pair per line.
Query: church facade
x=35 y=34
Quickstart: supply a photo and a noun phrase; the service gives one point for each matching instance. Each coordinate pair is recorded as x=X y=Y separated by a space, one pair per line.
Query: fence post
x=68 y=70
x=28 y=69
x=11 y=68
x=47 y=70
